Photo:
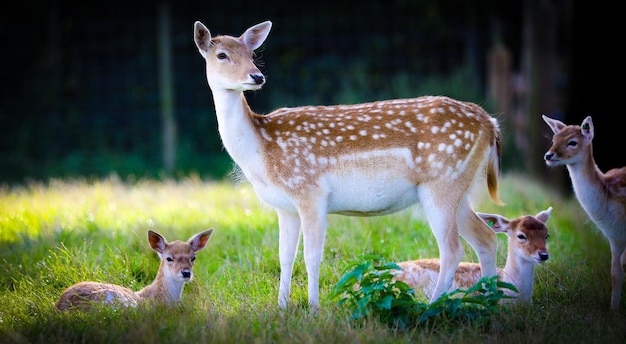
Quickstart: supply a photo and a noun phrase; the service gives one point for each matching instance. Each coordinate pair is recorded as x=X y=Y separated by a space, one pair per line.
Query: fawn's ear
x=497 y=223
x=544 y=215
x=157 y=242
x=256 y=35
x=202 y=37
x=200 y=240
x=554 y=124
x=586 y=128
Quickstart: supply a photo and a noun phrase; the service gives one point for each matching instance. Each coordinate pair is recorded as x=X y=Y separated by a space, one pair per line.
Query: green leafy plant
x=368 y=288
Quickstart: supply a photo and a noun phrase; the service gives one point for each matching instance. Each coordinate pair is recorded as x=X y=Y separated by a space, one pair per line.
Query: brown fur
x=602 y=195
x=523 y=254
x=365 y=159
x=175 y=270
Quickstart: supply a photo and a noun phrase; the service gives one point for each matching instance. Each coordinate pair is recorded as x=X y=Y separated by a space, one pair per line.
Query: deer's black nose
x=544 y=256
x=186 y=274
x=548 y=156
x=258 y=78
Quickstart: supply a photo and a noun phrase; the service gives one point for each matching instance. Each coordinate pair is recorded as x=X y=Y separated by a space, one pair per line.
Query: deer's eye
x=169 y=259
x=521 y=236
x=572 y=143
x=547 y=236
x=222 y=56
x=193 y=258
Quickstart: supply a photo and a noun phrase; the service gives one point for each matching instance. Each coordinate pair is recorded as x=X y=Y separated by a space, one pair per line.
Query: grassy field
x=57 y=234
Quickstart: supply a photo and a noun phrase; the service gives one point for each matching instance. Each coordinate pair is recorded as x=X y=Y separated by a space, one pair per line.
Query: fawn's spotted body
x=601 y=195
x=364 y=159
x=527 y=237
x=177 y=259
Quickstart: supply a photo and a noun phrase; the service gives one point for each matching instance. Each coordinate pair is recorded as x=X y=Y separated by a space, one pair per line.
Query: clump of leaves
x=368 y=288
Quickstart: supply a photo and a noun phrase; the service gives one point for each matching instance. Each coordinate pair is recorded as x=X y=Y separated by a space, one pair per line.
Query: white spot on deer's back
x=265 y=135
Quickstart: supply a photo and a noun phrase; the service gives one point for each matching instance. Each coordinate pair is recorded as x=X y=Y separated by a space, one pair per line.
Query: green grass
x=58 y=233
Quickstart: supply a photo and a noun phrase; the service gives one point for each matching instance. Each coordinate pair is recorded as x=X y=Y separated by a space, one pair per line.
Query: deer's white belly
x=353 y=194
x=369 y=195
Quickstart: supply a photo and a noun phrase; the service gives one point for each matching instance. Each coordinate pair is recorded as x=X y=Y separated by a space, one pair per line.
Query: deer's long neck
x=521 y=273
x=588 y=184
x=235 y=125
x=164 y=288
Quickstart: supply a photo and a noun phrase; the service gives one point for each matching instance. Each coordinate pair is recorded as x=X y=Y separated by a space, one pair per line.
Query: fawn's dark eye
x=222 y=56
x=193 y=258
x=169 y=259
x=547 y=236
x=572 y=143
x=521 y=236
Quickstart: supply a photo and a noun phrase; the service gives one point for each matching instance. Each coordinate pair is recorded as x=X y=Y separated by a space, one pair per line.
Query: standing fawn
x=177 y=259
x=602 y=195
x=527 y=237
x=362 y=160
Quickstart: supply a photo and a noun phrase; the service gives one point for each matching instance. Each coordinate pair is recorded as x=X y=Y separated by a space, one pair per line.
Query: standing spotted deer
x=527 y=236
x=602 y=195
x=177 y=259
x=364 y=160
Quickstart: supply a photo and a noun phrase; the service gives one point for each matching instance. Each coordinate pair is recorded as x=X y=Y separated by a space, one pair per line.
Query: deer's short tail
x=493 y=167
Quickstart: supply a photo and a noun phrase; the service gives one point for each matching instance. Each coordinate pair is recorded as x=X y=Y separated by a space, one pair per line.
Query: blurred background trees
x=119 y=87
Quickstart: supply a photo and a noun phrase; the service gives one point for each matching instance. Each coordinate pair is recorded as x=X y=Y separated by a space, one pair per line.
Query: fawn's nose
x=548 y=156
x=544 y=256
x=186 y=273
x=258 y=78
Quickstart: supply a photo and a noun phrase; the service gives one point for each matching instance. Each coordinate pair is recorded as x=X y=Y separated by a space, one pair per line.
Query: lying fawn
x=177 y=259
x=362 y=160
x=602 y=195
x=527 y=237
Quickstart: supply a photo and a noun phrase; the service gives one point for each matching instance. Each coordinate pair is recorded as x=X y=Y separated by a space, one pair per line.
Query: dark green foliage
x=368 y=288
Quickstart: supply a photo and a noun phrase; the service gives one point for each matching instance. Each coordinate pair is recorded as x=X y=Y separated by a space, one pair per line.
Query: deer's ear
x=256 y=35
x=200 y=240
x=202 y=37
x=544 y=215
x=586 y=128
x=157 y=242
x=497 y=223
x=554 y=124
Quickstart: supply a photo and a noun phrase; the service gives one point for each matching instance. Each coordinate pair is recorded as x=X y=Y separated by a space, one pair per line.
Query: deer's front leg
x=289 y=236
x=313 y=217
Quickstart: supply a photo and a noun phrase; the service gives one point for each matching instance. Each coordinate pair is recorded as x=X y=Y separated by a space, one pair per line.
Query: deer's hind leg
x=482 y=239
x=618 y=260
x=441 y=209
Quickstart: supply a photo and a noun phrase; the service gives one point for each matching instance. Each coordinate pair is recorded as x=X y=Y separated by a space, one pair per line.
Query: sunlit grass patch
x=57 y=233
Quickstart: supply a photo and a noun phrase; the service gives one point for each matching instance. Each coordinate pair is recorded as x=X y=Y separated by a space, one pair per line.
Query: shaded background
x=119 y=87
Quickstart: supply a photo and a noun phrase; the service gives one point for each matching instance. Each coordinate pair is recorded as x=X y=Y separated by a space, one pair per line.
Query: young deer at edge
x=527 y=237
x=362 y=160
x=602 y=195
x=177 y=259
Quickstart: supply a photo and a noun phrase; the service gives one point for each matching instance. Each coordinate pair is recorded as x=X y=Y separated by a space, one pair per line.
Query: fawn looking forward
x=527 y=237
x=602 y=195
x=177 y=259
x=364 y=159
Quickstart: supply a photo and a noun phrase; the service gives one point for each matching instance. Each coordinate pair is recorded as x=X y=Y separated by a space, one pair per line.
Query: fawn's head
x=230 y=60
x=177 y=257
x=569 y=141
x=527 y=234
